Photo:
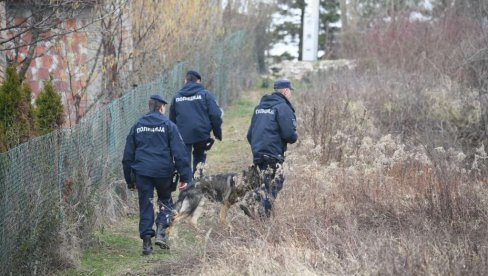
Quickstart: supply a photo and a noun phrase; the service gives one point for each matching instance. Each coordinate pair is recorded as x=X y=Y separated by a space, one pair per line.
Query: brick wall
x=70 y=60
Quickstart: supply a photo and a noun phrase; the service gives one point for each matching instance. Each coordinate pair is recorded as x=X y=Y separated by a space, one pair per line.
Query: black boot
x=161 y=237
x=146 y=245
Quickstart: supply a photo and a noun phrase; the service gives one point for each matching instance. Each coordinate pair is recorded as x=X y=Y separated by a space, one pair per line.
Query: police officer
x=153 y=148
x=196 y=113
x=273 y=126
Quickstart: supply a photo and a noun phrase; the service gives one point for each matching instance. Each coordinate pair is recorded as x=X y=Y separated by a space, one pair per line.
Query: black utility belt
x=271 y=159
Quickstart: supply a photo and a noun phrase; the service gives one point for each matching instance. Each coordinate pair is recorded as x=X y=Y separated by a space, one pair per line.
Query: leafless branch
x=47 y=38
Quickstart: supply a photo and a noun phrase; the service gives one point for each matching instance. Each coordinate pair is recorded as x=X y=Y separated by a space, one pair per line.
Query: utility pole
x=310 y=35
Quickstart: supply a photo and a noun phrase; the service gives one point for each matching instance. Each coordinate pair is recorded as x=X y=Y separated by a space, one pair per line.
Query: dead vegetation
x=358 y=200
x=382 y=181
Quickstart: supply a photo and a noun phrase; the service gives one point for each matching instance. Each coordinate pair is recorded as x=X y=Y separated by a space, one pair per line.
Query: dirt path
x=118 y=247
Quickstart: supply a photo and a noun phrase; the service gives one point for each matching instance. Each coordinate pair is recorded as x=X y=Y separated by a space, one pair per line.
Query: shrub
x=27 y=110
x=49 y=112
x=16 y=120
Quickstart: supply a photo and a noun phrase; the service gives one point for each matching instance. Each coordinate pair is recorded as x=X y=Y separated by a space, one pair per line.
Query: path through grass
x=117 y=250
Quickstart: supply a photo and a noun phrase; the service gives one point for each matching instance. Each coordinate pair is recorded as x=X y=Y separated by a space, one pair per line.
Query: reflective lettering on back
x=150 y=129
x=265 y=111
x=189 y=99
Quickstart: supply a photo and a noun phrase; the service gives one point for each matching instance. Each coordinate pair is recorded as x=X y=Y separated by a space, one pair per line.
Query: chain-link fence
x=52 y=182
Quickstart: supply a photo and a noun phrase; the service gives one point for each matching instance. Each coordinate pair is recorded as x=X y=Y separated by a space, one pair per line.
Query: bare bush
x=377 y=184
x=397 y=216
x=388 y=176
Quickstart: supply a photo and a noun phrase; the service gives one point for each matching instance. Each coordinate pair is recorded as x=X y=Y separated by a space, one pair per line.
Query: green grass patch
x=240 y=108
x=118 y=252
x=233 y=154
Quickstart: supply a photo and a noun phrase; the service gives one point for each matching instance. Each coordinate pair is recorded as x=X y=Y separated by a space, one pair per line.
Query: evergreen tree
x=28 y=111
x=49 y=109
x=289 y=27
x=329 y=14
x=15 y=123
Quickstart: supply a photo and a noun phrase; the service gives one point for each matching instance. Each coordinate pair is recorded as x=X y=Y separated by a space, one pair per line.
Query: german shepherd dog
x=225 y=188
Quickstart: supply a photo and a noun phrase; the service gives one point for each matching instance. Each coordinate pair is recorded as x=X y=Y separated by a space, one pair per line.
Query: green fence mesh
x=44 y=180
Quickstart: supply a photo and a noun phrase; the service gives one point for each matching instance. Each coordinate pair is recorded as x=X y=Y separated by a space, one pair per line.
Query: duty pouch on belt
x=272 y=161
x=174 y=181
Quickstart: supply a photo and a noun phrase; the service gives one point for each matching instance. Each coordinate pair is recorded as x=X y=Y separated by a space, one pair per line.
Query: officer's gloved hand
x=218 y=136
x=131 y=185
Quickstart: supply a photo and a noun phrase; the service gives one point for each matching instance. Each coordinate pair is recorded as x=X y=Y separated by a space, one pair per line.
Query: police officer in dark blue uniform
x=153 y=149
x=273 y=126
x=196 y=113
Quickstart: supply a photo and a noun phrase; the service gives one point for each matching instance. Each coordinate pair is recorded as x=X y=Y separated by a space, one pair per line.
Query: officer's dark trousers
x=145 y=189
x=272 y=183
x=199 y=155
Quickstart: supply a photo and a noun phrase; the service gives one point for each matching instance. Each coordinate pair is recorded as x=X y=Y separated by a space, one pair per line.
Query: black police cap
x=159 y=99
x=195 y=74
x=281 y=84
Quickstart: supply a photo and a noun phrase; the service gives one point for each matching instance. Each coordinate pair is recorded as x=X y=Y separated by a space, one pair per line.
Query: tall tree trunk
x=344 y=22
x=480 y=73
x=300 y=36
x=483 y=96
x=392 y=11
x=261 y=44
x=30 y=53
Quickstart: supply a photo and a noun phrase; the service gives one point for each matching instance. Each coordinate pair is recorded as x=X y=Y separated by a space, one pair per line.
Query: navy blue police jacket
x=195 y=111
x=273 y=126
x=154 y=148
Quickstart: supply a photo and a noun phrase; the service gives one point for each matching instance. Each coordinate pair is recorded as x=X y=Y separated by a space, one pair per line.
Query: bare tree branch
x=27 y=61
x=47 y=38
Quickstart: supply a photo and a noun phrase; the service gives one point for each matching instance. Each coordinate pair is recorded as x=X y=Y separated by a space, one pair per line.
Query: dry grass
x=387 y=178
x=333 y=220
x=366 y=192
